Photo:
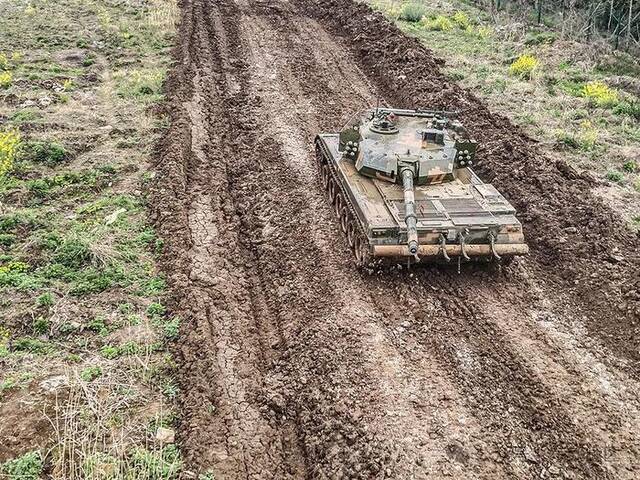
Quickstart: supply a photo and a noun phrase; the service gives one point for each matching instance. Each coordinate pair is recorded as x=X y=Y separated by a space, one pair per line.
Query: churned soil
x=295 y=364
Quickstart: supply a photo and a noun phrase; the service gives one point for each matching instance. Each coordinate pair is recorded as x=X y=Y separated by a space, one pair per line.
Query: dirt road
x=294 y=364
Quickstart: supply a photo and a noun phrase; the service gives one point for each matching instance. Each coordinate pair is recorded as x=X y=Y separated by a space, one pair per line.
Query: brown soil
x=295 y=364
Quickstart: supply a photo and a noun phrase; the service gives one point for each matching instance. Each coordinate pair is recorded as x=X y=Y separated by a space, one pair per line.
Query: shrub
x=538 y=38
x=171 y=329
x=439 y=23
x=11 y=272
x=27 y=467
x=31 y=345
x=89 y=374
x=483 y=32
x=630 y=166
x=413 y=12
x=524 y=66
x=73 y=253
x=6 y=79
x=45 y=300
x=461 y=19
x=600 y=94
x=615 y=176
x=9 y=142
x=110 y=352
x=47 y=153
x=7 y=239
x=630 y=108
x=156 y=310
x=41 y=326
x=584 y=140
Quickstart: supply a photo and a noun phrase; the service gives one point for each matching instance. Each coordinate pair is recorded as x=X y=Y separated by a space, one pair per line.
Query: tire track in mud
x=294 y=364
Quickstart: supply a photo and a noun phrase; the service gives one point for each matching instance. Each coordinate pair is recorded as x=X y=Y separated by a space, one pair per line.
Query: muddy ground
x=295 y=364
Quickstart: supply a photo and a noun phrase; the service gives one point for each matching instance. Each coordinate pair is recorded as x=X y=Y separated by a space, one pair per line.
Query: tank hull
x=464 y=219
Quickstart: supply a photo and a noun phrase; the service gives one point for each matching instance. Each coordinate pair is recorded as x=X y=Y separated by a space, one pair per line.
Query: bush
x=461 y=19
x=142 y=84
x=41 y=326
x=483 y=32
x=156 y=310
x=6 y=79
x=439 y=23
x=31 y=345
x=27 y=467
x=413 y=12
x=89 y=374
x=47 y=153
x=73 y=253
x=600 y=94
x=9 y=142
x=629 y=108
x=524 y=66
x=630 y=166
x=615 y=176
x=538 y=38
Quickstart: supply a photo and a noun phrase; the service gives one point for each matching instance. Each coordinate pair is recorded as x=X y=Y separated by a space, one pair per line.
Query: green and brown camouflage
x=402 y=185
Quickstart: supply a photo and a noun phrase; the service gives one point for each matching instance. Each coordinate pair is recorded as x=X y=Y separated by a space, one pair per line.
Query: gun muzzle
x=410 y=217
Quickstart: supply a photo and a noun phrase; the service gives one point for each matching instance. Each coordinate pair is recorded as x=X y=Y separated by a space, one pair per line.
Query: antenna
x=377 y=105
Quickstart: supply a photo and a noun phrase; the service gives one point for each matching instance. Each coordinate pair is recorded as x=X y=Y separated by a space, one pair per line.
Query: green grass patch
x=141 y=85
x=46 y=153
x=29 y=466
x=89 y=374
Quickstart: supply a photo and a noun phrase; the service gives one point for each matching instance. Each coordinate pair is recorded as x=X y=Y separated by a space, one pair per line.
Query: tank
x=402 y=186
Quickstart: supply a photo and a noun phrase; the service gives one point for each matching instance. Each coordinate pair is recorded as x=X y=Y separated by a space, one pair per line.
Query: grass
x=75 y=243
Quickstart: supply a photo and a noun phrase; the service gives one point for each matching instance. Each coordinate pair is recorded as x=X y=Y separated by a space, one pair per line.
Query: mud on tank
x=402 y=186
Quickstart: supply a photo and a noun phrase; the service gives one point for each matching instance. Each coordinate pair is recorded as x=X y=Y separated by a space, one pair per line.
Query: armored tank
x=402 y=185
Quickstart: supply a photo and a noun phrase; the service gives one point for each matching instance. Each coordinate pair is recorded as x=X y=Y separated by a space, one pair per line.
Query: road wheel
x=351 y=233
x=325 y=176
x=332 y=190
x=337 y=204
x=344 y=219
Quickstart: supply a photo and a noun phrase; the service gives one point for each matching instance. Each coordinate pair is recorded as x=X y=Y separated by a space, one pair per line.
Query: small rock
x=571 y=230
x=165 y=435
x=114 y=216
x=530 y=455
x=553 y=470
x=45 y=101
x=615 y=258
x=53 y=383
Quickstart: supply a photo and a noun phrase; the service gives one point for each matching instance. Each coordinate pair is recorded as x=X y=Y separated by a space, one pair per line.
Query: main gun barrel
x=410 y=217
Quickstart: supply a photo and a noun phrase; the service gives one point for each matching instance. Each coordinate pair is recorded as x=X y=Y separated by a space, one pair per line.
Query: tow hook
x=492 y=242
x=443 y=247
x=461 y=237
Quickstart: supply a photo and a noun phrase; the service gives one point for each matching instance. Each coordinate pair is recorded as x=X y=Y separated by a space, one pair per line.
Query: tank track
x=343 y=207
